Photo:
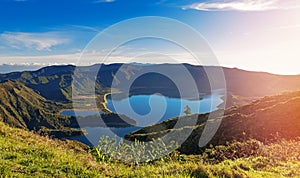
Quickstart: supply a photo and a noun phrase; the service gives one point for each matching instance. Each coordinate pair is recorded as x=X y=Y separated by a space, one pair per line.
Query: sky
x=257 y=35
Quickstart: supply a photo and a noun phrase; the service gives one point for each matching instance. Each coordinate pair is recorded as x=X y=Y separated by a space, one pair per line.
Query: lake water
x=146 y=110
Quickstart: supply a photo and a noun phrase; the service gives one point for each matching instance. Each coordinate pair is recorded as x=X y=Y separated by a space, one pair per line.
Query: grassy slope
x=21 y=107
x=23 y=153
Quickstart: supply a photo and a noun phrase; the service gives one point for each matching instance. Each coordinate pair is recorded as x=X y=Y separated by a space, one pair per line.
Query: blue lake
x=146 y=110
x=150 y=109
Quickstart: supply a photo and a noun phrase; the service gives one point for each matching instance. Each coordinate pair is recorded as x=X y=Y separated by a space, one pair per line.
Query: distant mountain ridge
x=55 y=82
x=9 y=68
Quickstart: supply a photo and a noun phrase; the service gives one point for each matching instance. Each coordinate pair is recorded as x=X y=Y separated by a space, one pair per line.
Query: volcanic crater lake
x=145 y=110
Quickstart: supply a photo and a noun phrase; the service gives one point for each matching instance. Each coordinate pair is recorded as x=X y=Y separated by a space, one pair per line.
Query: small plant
x=109 y=149
x=187 y=110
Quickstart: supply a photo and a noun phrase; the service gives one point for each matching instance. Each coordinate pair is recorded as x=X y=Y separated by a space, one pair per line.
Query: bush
x=233 y=151
x=135 y=152
x=282 y=150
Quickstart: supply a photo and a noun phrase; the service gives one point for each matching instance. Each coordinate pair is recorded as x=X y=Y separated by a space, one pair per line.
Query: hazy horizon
x=9 y=68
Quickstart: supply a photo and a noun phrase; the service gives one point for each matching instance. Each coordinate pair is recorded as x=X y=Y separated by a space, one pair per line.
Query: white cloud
x=104 y=1
x=85 y=27
x=36 y=41
x=244 y=5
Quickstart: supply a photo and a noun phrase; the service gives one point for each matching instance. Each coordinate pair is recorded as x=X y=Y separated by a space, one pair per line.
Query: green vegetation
x=133 y=152
x=21 y=107
x=24 y=153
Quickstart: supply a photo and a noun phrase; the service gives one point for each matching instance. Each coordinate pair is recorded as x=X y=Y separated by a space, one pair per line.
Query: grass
x=25 y=154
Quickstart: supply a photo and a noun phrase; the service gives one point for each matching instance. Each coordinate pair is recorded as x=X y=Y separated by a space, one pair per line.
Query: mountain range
x=55 y=82
x=33 y=99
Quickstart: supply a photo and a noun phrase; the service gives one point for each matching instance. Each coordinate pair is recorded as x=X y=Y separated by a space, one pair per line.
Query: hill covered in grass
x=21 y=107
x=265 y=120
x=25 y=154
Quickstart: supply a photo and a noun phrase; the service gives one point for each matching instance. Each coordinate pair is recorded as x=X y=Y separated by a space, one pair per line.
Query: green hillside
x=21 y=107
x=23 y=153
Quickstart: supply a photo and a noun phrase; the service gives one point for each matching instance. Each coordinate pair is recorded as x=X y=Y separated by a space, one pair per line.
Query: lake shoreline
x=105 y=102
x=104 y=107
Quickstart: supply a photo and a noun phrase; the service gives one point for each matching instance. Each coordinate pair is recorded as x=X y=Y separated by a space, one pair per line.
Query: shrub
x=233 y=151
x=109 y=149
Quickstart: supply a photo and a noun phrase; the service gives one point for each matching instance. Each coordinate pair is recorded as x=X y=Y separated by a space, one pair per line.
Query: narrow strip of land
x=104 y=103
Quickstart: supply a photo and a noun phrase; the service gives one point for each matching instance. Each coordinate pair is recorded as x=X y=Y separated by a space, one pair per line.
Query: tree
x=187 y=110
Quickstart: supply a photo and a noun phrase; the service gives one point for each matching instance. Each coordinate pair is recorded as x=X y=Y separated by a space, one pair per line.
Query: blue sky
x=261 y=35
